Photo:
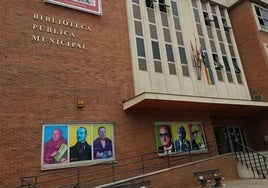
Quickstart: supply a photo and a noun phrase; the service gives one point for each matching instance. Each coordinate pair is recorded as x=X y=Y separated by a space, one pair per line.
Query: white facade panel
x=185 y=28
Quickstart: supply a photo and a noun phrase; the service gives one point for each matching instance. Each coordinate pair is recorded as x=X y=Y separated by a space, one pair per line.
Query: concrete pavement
x=246 y=183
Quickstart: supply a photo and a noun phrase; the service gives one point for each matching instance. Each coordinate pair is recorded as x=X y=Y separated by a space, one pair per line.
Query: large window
x=262 y=15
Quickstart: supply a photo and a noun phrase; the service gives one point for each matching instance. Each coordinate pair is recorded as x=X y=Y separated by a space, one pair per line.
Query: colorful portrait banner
x=67 y=145
x=180 y=137
x=90 y=6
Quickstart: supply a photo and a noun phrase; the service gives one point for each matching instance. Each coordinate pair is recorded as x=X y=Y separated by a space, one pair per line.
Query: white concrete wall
x=150 y=81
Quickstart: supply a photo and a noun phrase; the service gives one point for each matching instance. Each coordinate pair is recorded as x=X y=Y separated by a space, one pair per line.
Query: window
x=217 y=64
x=196 y=16
x=228 y=70
x=182 y=55
x=225 y=26
x=140 y=47
x=206 y=17
x=156 y=51
x=236 y=67
x=262 y=15
x=226 y=64
x=169 y=51
x=150 y=3
x=162 y=6
x=174 y=8
x=216 y=22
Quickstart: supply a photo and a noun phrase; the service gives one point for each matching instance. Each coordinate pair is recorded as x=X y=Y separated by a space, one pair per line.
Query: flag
x=208 y=71
x=194 y=52
x=196 y=60
x=209 y=76
x=198 y=54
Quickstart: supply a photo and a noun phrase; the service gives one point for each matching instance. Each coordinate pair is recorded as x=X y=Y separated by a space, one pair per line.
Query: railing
x=123 y=168
x=135 y=166
x=252 y=159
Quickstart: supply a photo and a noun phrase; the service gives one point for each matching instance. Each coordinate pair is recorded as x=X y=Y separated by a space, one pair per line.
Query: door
x=236 y=134
x=224 y=136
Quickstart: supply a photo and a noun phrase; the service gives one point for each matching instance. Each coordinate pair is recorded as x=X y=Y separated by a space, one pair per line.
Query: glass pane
x=164 y=20
x=140 y=47
x=239 y=79
x=150 y=4
x=153 y=32
x=194 y=3
x=167 y=35
x=219 y=35
x=212 y=44
x=136 y=1
x=169 y=51
x=179 y=38
x=177 y=23
x=182 y=55
x=155 y=48
x=158 y=66
x=196 y=16
x=174 y=8
x=162 y=6
x=264 y=14
x=222 y=48
x=219 y=75
x=172 y=68
x=206 y=18
x=142 y=64
x=216 y=22
x=136 y=12
x=151 y=16
x=258 y=11
x=138 y=28
x=231 y=48
x=226 y=64
x=202 y=43
x=199 y=29
x=229 y=76
x=185 y=70
x=210 y=35
x=213 y=9
x=203 y=5
x=236 y=67
x=228 y=38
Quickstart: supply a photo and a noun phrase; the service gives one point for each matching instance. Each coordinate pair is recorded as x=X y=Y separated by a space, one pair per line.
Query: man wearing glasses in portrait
x=166 y=139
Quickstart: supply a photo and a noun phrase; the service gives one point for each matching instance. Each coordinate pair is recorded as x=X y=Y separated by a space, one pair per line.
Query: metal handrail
x=127 y=167
x=254 y=164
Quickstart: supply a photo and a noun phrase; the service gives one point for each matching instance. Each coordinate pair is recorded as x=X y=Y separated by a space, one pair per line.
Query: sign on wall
x=180 y=137
x=66 y=145
x=90 y=6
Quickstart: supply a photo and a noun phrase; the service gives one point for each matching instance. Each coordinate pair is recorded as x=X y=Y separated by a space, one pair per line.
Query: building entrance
x=225 y=135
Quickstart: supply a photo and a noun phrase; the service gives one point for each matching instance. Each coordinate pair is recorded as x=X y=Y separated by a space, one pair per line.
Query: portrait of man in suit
x=165 y=136
x=81 y=150
x=102 y=146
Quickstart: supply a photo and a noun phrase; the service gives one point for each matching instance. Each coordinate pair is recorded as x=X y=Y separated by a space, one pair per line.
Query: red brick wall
x=183 y=177
x=41 y=83
x=250 y=44
x=254 y=60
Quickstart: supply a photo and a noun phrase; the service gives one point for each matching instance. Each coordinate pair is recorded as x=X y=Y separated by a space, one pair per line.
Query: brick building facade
x=54 y=57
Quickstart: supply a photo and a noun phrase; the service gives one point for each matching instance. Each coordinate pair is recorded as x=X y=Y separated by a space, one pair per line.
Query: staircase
x=251 y=164
x=130 y=171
